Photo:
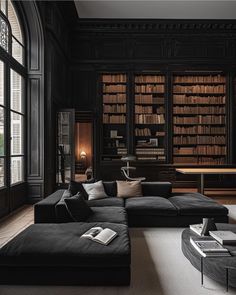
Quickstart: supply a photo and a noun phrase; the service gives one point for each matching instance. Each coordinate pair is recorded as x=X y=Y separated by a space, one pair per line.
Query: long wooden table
x=203 y=171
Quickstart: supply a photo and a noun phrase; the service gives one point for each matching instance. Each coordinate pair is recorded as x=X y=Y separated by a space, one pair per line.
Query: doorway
x=83 y=151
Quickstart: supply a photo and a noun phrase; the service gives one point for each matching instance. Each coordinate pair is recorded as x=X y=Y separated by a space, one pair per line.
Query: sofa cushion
x=150 y=206
x=95 y=190
x=77 y=187
x=110 y=188
x=111 y=201
x=108 y=214
x=77 y=207
x=197 y=204
x=161 y=189
x=46 y=245
x=127 y=189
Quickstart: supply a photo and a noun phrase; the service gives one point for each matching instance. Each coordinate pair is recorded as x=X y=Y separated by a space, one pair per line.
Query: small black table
x=220 y=269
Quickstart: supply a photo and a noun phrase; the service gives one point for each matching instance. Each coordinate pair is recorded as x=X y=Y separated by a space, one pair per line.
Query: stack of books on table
x=209 y=248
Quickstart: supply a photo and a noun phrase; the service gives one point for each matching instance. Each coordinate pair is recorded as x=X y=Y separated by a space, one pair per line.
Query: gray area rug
x=158 y=268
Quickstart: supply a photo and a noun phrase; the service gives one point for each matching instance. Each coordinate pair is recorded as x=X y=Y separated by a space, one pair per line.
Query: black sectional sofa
x=158 y=207
x=52 y=252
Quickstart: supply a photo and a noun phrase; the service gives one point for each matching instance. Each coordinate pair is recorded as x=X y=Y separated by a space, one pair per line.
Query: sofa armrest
x=161 y=189
x=44 y=211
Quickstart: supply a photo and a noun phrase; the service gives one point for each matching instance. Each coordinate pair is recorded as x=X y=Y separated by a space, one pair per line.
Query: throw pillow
x=77 y=187
x=78 y=208
x=67 y=194
x=127 y=189
x=95 y=190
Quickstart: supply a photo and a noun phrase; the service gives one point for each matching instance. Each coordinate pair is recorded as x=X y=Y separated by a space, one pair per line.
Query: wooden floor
x=11 y=225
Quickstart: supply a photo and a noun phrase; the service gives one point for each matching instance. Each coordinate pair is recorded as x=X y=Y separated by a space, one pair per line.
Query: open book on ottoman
x=100 y=235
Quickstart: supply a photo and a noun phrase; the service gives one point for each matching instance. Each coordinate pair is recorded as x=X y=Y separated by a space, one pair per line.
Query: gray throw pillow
x=78 y=208
x=95 y=190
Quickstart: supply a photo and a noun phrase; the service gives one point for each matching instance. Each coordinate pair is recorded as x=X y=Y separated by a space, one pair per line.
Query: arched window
x=12 y=97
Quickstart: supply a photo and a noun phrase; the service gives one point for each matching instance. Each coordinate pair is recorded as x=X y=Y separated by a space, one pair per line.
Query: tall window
x=12 y=97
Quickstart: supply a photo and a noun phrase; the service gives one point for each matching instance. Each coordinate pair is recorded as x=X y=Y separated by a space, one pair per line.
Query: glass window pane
x=17 y=174
x=17 y=51
x=1 y=82
x=2 y=149
x=16 y=91
x=2 y=172
x=13 y=19
x=3 y=34
x=16 y=134
x=3 y=6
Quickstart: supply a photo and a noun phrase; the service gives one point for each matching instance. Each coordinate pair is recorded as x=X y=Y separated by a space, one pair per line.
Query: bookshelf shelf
x=114 y=115
x=199 y=119
x=149 y=119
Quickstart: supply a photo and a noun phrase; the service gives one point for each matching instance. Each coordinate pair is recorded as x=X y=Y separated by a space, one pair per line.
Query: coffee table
x=220 y=269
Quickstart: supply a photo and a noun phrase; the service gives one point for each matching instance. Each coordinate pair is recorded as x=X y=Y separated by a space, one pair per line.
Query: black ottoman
x=214 y=267
x=55 y=254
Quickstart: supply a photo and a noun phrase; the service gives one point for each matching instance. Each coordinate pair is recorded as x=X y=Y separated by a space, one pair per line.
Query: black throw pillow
x=76 y=187
x=78 y=208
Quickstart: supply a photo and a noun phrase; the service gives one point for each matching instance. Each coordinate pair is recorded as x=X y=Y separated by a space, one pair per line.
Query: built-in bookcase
x=199 y=119
x=150 y=121
x=114 y=116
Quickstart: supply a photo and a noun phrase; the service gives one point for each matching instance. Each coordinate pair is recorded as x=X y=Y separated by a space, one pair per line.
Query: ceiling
x=157 y=9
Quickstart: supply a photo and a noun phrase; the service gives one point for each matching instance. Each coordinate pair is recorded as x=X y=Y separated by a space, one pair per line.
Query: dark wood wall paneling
x=137 y=45
x=57 y=49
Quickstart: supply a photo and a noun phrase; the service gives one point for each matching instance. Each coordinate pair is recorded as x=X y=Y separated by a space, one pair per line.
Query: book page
x=105 y=236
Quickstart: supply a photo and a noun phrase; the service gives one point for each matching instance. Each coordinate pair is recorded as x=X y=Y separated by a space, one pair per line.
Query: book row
x=199 y=89
x=199 y=130
x=184 y=99
x=119 y=108
x=150 y=79
x=158 y=158
x=200 y=119
x=148 y=99
x=150 y=151
x=118 y=78
x=147 y=132
x=114 y=98
x=201 y=150
x=199 y=160
x=114 y=88
x=150 y=88
x=200 y=79
x=122 y=151
x=199 y=110
x=149 y=119
x=115 y=119
x=199 y=140
x=148 y=109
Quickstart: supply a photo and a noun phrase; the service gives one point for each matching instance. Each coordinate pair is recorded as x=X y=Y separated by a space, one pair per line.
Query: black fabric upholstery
x=77 y=187
x=108 y=214
x=78 y=209
x=213 y=267
x=162 y=189
x=169 y=221
x=62 y=214
x=110 y=188
x=110 y=201
x=197 y=204
x=56 y=254
x=150 y=206
x=44 y=211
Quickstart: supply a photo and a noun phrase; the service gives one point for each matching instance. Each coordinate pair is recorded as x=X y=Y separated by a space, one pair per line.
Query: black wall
x=136 y=45
x=57 y=18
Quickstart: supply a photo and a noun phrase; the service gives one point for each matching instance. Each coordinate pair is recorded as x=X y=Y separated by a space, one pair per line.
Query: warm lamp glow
x=83 y=155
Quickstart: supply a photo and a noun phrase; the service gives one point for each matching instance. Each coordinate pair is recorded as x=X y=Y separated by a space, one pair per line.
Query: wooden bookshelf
x=199 y=119
x=114 y=116
x=149 y=108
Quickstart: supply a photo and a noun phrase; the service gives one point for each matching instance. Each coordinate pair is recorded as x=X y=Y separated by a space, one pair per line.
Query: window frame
x=10 y=63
